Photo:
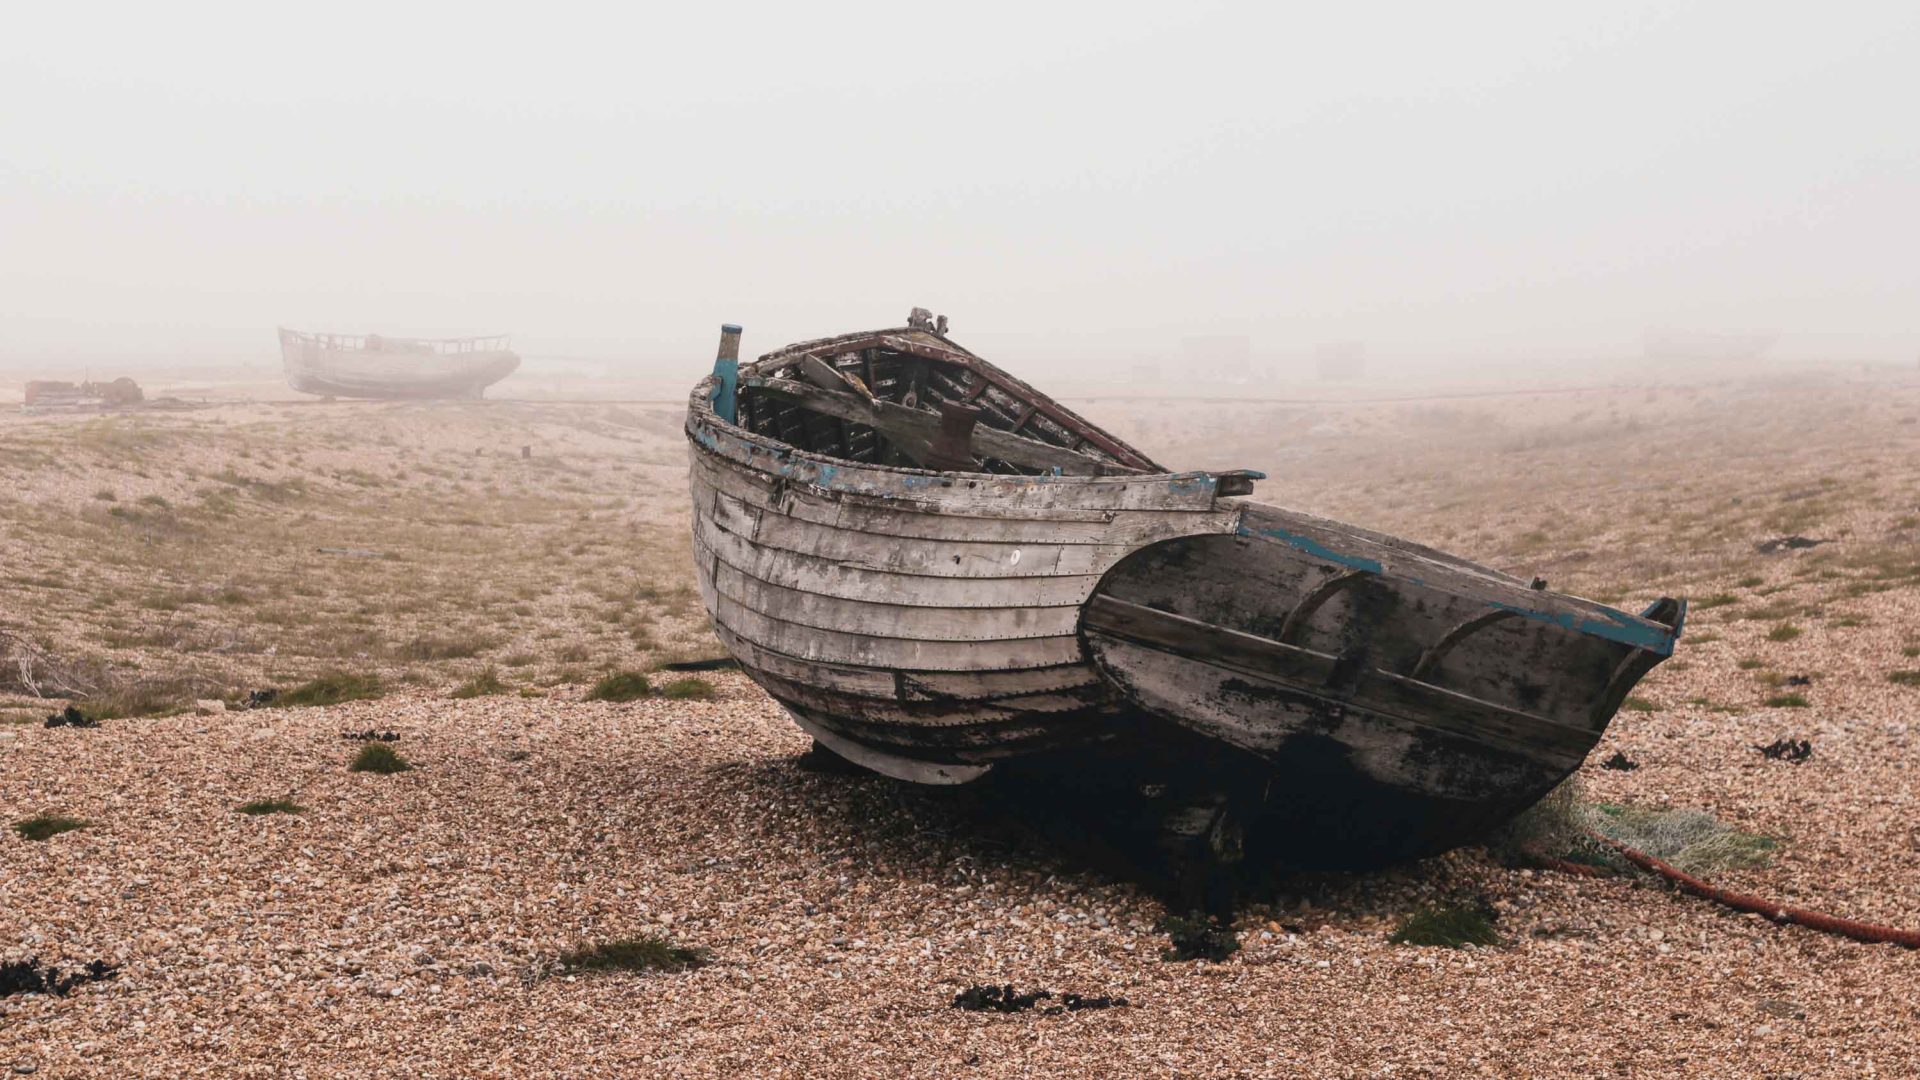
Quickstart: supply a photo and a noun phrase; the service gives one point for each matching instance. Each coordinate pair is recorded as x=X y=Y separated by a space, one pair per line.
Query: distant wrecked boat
x=940 y=571
x=374 y=366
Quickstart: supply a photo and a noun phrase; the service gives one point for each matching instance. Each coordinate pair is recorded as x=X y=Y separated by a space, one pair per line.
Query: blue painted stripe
x=1649 y=636
x=1602 y=624
x=1314 y=547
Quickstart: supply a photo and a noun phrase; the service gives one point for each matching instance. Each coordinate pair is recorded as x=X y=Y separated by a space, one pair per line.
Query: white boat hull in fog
x=340 y=365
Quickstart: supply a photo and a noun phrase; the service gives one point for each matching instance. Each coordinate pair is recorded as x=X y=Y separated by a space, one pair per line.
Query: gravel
x=408 y=925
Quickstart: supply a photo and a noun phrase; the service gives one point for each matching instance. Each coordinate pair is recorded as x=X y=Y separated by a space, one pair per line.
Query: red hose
x=1872 y=933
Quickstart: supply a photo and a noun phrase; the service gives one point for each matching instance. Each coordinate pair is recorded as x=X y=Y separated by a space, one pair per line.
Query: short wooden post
x=726 y=373
x=953 y=443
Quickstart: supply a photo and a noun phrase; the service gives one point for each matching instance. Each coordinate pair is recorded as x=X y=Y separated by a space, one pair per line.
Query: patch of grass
x=1639 y=704
x=445 y=647
x=485 y=684
x=1904 y=678
x=1774 y=611
x=332 y=689
x=1749 y=663
x=688 y=690
x=645 y=953
x=271 y=806
x=106 y=495
x=1702 y=639
x=45 y=826
x=1197 y=937
x=146 y=697
x=620 y=686
x=1787 y=701
x=1714 y=601
x=1448 y=927
x=1751 y=581
x=377 y=757
x=1784 y=632
x=1910 y=651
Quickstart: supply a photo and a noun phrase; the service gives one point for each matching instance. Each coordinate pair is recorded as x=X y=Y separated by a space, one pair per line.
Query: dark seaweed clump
x=28 y=977
x=370 y=735
x=1793 y=750
x=72 y=717
x=1620 y=762
x=1198 y=937
x=1003 y=999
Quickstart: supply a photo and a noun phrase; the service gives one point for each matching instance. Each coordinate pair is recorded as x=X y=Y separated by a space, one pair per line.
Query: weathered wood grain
x=912 y=621
x=828 y=577
x=874 y=650
x=953 y=688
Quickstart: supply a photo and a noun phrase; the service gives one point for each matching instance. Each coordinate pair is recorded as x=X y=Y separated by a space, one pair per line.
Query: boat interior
x=910 y=398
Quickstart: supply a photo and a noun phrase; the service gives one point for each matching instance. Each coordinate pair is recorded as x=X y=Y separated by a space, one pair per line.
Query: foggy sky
x=1432 y=180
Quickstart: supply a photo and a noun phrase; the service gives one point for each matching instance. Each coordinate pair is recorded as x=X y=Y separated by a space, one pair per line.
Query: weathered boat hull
x=1394 y=699
x=936 y=625
x=1376 y=697
x=314 y=368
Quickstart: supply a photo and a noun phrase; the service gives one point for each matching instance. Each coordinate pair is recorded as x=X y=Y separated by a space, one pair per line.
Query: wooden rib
x=1310 y=603
x=1438 y=651
x=1052 y=410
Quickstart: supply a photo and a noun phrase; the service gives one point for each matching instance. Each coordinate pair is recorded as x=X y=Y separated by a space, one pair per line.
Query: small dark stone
x=1620 y=762
x=1799 y=680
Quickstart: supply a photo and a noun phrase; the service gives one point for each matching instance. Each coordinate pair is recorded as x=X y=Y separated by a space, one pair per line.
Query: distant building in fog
x=1218 y=357
x=1341 y=361
x=1693 y=345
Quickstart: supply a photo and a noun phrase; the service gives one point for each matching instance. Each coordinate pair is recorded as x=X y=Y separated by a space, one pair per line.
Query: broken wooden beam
x=916 y=431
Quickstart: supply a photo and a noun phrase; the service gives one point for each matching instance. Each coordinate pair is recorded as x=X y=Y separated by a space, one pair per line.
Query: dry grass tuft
x=485 y=684
x=332 y=689
x=688 y=690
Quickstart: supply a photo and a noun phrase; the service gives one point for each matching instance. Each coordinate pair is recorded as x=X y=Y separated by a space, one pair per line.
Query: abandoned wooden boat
x=940 y=571
x=373 y=366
